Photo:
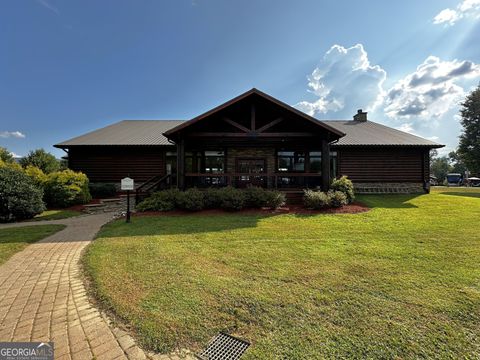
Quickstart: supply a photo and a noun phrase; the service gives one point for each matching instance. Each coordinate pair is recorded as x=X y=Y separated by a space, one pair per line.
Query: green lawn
x=13 y=240
x=56 y=214
x=399 y=281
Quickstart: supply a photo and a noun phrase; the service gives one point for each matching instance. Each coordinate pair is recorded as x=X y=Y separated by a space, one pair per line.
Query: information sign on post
x=127 y=184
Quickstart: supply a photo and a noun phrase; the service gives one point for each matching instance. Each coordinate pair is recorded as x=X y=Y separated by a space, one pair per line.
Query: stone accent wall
x=388 y=188
x=251 y=153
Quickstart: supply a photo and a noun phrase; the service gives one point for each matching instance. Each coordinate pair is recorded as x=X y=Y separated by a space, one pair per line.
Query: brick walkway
x=43 y=298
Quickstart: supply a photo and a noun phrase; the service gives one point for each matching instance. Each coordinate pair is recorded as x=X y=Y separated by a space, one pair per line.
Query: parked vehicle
x=473 y=181
x=433 y=180
x=454 y=179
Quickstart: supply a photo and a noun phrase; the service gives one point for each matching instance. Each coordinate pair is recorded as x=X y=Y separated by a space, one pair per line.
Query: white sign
x=127 y=184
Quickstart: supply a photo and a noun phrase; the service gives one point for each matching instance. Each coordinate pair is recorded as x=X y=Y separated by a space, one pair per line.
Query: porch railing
x=269 y=180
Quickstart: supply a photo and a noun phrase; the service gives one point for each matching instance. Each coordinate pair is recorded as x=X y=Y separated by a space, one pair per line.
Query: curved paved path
x=43 y=298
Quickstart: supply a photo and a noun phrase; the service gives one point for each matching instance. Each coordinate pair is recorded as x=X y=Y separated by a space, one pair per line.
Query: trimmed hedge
x=66 y=188
x=232 y=199
x=227 y=198
x=191 y=200
x=159 y=201
x=20 y=198
x=315 y=200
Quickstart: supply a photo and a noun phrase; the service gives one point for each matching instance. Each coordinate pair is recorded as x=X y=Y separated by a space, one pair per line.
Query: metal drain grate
x=224 y=347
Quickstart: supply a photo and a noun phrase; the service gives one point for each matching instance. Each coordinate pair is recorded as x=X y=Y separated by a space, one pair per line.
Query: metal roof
x=150 y=132
x=126 y=132
x=362 y=133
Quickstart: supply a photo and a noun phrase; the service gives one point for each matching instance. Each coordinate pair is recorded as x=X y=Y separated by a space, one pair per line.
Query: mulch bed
x=353 y=208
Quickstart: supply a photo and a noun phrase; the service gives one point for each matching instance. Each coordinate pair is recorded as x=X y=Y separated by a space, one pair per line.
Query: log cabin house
x=254 y=139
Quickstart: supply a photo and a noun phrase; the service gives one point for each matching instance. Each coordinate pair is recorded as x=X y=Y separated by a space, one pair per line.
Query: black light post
x=128 y=206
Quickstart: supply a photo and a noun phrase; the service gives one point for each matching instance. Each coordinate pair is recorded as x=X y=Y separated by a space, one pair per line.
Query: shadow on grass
x=462 y=193
x=389 y=201
x=183 y=224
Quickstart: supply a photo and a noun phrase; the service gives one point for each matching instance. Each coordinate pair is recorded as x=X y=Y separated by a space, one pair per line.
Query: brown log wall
x=111 y=164
x=383 y=164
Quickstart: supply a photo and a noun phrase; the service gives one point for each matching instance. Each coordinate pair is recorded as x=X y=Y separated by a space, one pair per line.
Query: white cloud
x=424 y=102
x=344 y=77
x=467 y=8
x=15 y=156
x=15 y=134
x=431 y=90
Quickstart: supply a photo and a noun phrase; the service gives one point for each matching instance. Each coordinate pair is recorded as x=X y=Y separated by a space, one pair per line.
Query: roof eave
x=177 y=128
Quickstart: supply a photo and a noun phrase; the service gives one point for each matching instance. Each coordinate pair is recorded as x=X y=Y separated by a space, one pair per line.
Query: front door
x=250 y=172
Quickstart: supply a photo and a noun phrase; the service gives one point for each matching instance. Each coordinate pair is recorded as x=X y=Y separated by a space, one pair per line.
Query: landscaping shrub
x=66 y=188
x=191 y=200
x=212 y=198
x=274 y=199
x=20 y=198
x=255 y=197
x=160 y=201
x=232 y=199
x=37 y=175
x=337 y=198
x=102 y=190
x=315 y=199
x=344 y=185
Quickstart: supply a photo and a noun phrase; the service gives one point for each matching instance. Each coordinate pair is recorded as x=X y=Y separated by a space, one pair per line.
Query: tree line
x=467 y=155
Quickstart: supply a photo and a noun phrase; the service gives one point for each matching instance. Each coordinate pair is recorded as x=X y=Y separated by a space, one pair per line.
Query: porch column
x=325 y=165
x=181 y=164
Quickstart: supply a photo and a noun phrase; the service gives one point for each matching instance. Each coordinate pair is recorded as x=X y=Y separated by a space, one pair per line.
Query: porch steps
x=117 y=205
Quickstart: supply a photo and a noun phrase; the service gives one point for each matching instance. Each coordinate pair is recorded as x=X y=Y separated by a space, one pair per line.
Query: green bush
x=232 y=199
x=274 y=199
x=102 y=190
x=212 y=198
x=191 y=200
x=255 y=197
x=20 y=198
x=344 y=185
x=37 y=175
x=165 y=200
x=337 y=198
x=66 y=188
x=315 y=199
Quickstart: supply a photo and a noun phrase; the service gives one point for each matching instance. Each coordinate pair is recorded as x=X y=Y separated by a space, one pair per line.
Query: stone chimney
x=360 y=116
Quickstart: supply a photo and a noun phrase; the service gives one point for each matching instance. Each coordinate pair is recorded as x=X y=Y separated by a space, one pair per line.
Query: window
x=171 y=162
x=333 y=164
x=214 y=162
x=315 y=161
x=291 y=161
x=193 y=161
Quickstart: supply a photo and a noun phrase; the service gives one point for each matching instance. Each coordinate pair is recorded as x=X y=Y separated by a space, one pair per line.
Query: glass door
x=250 y=172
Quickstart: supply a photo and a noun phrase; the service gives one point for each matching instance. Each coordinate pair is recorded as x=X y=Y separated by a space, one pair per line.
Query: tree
x=440 y=167
x=5 y=155
x=456 y=161
x=41 y=159
x=469 y=148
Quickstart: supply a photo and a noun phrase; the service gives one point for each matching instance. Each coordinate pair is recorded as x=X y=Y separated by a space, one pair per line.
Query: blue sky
x=68 y=67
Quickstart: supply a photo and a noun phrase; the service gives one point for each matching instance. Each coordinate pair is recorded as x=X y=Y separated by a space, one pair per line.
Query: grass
x=13 y=240
x=399 y=281
x=56 y=215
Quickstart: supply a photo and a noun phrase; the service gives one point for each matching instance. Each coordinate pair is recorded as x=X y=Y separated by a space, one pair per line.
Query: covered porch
x=253 y=140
